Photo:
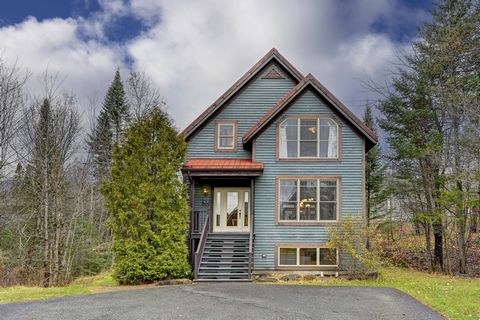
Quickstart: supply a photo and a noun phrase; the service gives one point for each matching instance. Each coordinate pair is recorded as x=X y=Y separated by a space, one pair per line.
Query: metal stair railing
x=201 y=247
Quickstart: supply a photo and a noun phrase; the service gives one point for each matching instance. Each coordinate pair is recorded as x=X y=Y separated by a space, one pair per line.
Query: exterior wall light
x=206 y=190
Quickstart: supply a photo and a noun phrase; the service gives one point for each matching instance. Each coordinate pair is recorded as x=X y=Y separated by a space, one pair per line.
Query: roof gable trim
x=309 y=80
x=273 y=54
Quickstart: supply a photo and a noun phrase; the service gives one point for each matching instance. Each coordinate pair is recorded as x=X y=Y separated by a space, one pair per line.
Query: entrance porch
x=222 y=217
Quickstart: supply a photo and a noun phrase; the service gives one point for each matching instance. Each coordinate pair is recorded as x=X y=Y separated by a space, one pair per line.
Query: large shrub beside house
x=148 y=203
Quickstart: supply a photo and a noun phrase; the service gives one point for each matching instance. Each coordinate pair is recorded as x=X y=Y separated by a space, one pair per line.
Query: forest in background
x=423 y=183
x=53 y=221
x=425 y=194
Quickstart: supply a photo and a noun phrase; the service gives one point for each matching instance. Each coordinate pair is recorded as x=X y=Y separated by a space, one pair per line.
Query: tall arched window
x=310 y=138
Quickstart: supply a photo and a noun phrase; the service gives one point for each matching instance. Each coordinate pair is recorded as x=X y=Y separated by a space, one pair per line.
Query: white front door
x=231 y=210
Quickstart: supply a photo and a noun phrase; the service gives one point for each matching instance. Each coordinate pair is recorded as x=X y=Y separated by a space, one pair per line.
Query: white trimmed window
x=309 y=200
x=309 y=138
x=226 y=134
x=307 y=257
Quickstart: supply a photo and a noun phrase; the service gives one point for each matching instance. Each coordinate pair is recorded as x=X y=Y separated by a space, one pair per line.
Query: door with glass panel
x=231 y=210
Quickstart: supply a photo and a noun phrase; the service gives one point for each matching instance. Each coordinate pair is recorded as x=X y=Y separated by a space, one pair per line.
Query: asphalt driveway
x=228 y=301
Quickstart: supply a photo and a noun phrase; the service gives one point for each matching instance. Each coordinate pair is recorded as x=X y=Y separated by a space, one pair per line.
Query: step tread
x=206 y=254
x=227 y=262
x=223 y=274
x=226 y=245
x=222 y=261
x=226 y=259
x=240 y=243
x=229 y=239
x=232 y=248
x=229 y=234
x=226 y=252
x=245 y=254
x=233 y=236
x=222 y=280
x=223 y=268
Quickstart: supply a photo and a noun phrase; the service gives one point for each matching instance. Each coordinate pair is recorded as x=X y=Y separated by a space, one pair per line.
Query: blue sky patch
x=12 y=12
x=123 y=28
x=396 y=26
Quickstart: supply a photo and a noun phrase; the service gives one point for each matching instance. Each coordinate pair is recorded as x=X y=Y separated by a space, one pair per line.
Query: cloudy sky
x=194 y=50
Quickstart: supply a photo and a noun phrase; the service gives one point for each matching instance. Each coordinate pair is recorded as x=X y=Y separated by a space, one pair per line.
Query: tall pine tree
x=414 y=132
x=148 y=202
x=111 y=123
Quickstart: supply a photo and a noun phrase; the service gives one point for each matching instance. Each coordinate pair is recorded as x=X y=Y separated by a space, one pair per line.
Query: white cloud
x=194 y=50
x=84 y=67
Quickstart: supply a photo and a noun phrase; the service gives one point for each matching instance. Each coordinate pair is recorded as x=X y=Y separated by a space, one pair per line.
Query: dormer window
x=308 y=138
x=226 y=134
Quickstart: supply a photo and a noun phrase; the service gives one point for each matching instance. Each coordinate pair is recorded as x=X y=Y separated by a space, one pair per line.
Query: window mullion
x=298 y=256
x=318 y=137
x=298 y=199
x=298 y=138
x=318 y=199
x=336 y=200
x=318 y=256
x=279 y=201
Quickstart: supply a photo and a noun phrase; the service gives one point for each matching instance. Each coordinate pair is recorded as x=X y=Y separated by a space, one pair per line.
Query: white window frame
x=297 y=264
x=286 y=157
x=218 y=137
x=318 y=202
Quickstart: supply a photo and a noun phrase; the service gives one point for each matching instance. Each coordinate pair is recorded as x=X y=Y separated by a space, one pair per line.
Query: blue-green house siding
x=247 y=107
x=349 y=168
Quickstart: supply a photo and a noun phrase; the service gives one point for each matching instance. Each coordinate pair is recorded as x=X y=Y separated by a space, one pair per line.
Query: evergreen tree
x=111 y=123
x=117 y=108
x=431 y=118
x=414 y=133
x=148 y=202
x=101 y=146
x=450 y=51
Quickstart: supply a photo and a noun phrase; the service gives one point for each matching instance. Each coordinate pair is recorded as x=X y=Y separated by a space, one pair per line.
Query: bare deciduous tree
x=143 y=95
x=12 y=82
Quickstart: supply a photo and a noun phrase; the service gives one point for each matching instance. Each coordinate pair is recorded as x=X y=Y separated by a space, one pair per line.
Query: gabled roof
x=310 y=81
x=273 y=54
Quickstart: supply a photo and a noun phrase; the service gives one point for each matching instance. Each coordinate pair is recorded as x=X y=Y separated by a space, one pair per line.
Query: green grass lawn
x=455 y=298
x=80 y=286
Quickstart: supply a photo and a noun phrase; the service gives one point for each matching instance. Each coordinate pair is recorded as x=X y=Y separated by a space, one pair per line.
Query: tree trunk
x=474 y=221
x=438 y=246
x=416 y=225
x=368 y=219
x=428 y=243
x=46 y=238
x=462 y=247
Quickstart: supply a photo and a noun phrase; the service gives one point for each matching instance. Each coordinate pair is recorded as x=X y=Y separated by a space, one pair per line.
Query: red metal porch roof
x=222 y=165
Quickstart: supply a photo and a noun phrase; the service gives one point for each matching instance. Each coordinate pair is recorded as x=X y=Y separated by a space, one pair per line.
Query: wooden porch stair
x=225 y=258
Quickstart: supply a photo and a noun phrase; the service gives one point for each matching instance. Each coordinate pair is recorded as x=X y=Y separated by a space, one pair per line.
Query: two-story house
x=271 y=164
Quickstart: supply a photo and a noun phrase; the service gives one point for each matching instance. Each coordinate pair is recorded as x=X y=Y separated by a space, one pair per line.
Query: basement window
x=310 y=256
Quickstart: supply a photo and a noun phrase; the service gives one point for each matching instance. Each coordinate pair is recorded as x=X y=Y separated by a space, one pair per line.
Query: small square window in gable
x=273 y=73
